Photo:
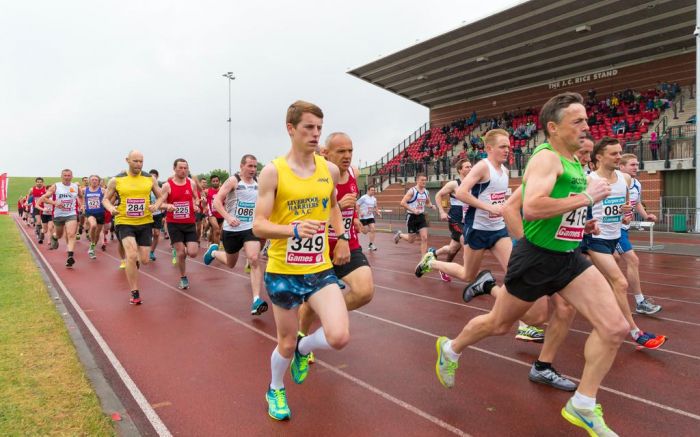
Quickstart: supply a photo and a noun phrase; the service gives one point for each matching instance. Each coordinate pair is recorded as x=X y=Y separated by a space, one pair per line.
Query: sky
x=83 y=82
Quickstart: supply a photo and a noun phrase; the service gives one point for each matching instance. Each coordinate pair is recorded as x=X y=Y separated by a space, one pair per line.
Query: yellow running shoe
x=122 y=264
x=246 y=269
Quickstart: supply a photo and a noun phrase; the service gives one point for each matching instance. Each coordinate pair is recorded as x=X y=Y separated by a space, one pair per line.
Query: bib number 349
x=307 y=251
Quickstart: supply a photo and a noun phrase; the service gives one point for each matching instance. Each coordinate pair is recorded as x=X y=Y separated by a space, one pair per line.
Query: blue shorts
x=623 y=244
x=289 y=291
x=477 y=239
x=598 y=245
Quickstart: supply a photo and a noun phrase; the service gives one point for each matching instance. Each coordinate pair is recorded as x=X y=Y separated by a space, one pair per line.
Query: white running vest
x=418 y=200
x=635 y=197
x=240 y=203
x=66 y=200
x=609 y=210
x=367 y=205
x=493 y=192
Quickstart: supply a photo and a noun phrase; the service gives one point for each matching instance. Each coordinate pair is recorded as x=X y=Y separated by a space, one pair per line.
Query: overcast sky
x=82 y=82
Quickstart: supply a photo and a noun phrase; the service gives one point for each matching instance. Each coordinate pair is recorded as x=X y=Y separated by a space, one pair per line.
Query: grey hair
x=552 y=110
x=331 y=136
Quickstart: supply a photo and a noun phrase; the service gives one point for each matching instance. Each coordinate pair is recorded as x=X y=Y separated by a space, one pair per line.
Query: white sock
x=278 y=367
x=447 y=350
x=635 y=333
x=583 y=402
x=639 y=297
x=522 y=324
x=312 y=342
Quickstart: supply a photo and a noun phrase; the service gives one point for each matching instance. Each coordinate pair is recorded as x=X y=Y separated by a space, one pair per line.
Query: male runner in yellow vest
x=132 y=217
x=296 y=203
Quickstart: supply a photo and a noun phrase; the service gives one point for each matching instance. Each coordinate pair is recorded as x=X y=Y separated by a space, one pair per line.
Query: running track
x=196 y=362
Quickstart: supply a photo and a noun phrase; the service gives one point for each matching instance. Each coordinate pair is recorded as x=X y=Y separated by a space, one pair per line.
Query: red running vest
x=348 y=214
x=182 y=197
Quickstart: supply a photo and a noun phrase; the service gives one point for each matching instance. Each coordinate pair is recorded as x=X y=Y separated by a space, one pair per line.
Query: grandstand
x=634 y=63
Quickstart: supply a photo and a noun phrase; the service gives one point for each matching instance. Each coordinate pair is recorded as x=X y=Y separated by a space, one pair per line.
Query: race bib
x=48 y=209
x=245 y=211
x=66 y=204
x=93 y=202
x=572 y=224
x=420 y=206
x=497 y=198
x=347 y=223
x=612 y=209
x=135 y=207
x=307 y=251
x=182 y=210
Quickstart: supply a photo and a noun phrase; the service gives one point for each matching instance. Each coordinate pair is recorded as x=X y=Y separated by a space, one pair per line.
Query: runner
x=236 y=201
x=35 y=193
x=108 y=227
x=157 y=218
x=81 y=217
x=356 y=273
x=455 y=215
x=46 y=217
x=66 y=198
x=610 y=213
x=630 y=166
x=368 y=206
x=215 y=219
x=133 y=216
x=201 y=216
x=94 y=211
x=484 y=189
x=182 y=198
x=548 y=260
x=542 y=370
x=296 y=203
x=20 y=208
x=414 y=201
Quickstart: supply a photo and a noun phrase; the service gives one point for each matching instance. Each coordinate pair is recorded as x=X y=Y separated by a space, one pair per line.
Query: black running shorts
x=182 y=232
x=234 y=240
x=416 y=222
x=142 y=233
x=534 y=272
x=357 y=260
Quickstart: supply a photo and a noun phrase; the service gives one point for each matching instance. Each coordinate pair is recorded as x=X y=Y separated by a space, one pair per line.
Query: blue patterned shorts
x=289 y=291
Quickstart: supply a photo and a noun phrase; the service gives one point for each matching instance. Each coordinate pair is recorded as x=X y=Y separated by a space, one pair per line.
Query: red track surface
x=202 y=361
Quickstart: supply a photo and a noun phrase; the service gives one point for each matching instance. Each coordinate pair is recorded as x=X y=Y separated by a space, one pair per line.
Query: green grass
x=43 y=388
x=19 y=186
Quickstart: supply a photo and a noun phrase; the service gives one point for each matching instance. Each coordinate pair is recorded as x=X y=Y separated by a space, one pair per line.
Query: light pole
x=229 y=75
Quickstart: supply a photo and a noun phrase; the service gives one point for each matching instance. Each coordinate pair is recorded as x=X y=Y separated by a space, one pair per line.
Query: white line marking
x=528 y=365
x=140 y=399
x=373 y=389
x=459 y=281
x=410 y=328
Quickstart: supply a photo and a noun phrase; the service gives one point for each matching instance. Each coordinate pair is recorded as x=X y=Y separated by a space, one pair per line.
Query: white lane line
x=528 y=365
x=630 y=396
x=458 y=281
x=405 y=405
x=138 y=396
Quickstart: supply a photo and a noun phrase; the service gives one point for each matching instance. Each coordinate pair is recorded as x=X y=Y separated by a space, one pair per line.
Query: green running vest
x=561 y=233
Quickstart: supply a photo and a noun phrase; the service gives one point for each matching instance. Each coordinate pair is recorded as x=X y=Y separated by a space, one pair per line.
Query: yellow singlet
x=301 y=199
x=134 y=199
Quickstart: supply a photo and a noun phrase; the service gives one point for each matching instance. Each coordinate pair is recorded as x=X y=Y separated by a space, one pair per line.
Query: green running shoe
x=277 y=407
x=530 y=333
x=174 y=257
x=590 y=420
x=300 y=364
x=444 y=367
x=423 y=266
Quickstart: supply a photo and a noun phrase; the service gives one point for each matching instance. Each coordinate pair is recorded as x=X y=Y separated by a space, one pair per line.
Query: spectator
x=654 y=146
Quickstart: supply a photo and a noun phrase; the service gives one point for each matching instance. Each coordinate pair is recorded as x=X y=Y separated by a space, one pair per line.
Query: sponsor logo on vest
x=570 y=233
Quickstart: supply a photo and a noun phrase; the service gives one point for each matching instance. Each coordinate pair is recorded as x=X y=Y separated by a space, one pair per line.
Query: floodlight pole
x=697 y=111
x=229 y=75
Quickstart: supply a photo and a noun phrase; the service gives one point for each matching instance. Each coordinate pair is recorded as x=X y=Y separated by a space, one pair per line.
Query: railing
x=400 y=147
x=677 y=214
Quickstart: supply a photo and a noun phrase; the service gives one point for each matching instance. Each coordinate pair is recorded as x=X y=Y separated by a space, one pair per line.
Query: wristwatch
x=344 y=236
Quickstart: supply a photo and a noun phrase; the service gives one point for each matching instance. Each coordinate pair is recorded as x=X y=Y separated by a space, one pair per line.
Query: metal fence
x=677 y=214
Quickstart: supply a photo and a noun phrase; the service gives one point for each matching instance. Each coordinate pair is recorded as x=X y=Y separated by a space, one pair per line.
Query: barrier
x=640 y=226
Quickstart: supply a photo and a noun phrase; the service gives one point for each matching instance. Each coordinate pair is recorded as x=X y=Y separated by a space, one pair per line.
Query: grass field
x=43 y=389
x=19 y=186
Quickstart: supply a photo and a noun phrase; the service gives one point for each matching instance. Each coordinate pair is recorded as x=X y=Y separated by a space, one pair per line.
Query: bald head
x=135 y=161
x=338 y=150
